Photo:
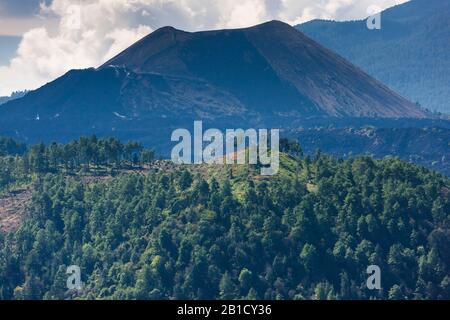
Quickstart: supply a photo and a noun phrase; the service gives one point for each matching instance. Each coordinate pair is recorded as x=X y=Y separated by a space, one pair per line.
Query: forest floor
x=12 y=209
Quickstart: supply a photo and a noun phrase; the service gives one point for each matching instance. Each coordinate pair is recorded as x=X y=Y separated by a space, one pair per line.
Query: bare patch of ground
x=12 y=209
x=445 y=192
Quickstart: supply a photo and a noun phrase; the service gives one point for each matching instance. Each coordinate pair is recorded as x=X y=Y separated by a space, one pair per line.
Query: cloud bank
x=90 y=32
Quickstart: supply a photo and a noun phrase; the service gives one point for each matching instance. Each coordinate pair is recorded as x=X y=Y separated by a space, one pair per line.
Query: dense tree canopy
x=101 y=156
x=202 y=232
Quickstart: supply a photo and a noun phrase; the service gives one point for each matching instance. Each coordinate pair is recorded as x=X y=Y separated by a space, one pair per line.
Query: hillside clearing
x=12 y=208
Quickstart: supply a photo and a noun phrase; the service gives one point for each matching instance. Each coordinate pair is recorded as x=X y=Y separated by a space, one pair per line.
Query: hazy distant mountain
x=411 y=52
x=428 y=147
x=264 y=75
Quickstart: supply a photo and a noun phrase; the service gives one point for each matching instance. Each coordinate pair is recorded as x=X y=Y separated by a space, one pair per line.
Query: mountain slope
x=268 y=75
x=13 y=96
x=411 y=52
x=276 y=67
x=428 y=147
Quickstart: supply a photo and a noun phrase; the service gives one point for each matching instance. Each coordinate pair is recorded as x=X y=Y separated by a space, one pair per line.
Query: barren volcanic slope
x=264 y=75
x=270 y=67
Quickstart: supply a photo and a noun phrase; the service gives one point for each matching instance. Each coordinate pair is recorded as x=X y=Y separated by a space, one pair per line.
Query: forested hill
x=428 y=147
x=205 y=232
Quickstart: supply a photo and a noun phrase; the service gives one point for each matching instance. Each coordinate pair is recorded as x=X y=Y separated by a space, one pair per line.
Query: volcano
x=268 y=75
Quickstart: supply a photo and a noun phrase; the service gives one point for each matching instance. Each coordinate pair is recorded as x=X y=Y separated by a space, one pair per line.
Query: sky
x=40 y=40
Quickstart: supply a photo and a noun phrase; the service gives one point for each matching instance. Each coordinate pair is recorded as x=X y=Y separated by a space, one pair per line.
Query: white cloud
x=85 y=37
x=92 y=31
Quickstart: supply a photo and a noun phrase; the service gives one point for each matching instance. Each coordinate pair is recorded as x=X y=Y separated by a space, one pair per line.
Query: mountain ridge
x=410 y=53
